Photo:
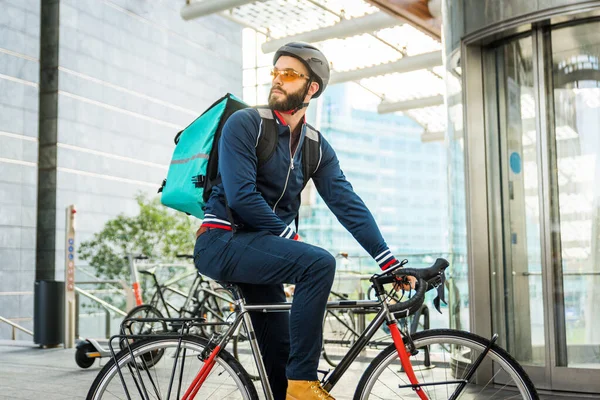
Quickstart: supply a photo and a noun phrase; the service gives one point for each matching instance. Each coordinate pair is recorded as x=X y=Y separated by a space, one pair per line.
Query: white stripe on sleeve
x=383 y=254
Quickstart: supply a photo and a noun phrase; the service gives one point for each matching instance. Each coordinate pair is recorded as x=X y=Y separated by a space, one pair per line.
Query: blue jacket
x=268 y=199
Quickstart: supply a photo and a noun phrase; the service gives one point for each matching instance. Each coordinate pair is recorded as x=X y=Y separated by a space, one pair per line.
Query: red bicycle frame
x=405 y=361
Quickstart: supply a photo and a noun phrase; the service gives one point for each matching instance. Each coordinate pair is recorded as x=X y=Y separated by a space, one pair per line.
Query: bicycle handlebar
x=415 y=302
x=427 y=278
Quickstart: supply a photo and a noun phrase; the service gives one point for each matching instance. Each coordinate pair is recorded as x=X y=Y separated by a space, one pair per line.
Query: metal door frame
x=484 y=213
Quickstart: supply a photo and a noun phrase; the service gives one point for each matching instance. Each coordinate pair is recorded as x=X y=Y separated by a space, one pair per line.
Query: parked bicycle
x=204 y=299
x=456 y=364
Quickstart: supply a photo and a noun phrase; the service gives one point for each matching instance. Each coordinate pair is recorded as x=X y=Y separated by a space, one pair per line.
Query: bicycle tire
x=228 y=379
x=384 y=375
x=145 y=328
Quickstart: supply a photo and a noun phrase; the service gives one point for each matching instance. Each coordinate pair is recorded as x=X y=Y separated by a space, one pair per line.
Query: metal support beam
x=343 y=29
x=415 y=12
x=199 y=9
x=427 y=137
x=406 y=64
x=385 y=108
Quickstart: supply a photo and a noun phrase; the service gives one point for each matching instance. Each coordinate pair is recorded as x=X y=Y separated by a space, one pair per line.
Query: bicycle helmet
x=314 y=60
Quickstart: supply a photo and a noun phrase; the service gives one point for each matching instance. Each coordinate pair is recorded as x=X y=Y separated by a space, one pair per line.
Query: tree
x=157 y=232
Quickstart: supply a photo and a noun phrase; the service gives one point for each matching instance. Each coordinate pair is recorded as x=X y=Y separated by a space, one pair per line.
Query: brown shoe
x=306 y=390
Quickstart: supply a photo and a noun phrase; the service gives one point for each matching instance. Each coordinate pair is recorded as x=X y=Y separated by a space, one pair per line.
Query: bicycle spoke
x=210 y=395
x=115 y=396
x=393 y=390
x=400 y=378
x=491 y=380
x=446 y=377
x=499 y=391
x=456 y=371
x=423 y=380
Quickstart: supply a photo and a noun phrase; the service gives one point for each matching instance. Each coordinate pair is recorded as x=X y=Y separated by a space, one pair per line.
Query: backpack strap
x=268 y=136
x=311 y=158
x=311 y=153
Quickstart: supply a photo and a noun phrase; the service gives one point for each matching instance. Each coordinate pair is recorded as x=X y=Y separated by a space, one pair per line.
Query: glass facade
x=401 y=179
x=126 y=78
x=576 y=78
x=391 y=169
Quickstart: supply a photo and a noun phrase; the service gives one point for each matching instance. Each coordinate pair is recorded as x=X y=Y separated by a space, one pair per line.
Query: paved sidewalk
x=29 y=372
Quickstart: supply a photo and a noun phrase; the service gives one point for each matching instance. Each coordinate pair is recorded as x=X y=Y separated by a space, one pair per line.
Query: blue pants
x=260 y=263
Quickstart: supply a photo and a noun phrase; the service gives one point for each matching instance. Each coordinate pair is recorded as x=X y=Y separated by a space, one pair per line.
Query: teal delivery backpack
x=194 y=165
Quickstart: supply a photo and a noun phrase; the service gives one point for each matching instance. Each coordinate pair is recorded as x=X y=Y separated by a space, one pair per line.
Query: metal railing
x=116 y=286
x=108 y=309
x=15 y=327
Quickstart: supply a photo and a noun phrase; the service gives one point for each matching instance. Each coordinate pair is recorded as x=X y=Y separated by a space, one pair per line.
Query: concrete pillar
x=48 y=117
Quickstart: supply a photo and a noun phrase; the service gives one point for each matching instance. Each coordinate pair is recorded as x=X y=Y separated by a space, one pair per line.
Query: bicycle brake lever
x=441 y=293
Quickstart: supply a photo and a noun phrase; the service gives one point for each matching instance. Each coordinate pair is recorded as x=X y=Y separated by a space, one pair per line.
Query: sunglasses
x=287 y=75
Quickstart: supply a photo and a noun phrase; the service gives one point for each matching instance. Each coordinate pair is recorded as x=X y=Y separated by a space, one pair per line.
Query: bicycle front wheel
x=134 y=379
x=444 y=358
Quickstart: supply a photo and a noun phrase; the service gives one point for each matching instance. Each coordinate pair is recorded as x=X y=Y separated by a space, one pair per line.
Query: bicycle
x=202 y=298
x=473 y=367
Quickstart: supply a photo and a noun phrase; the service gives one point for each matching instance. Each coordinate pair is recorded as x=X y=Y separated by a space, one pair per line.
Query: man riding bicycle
x=261 y=202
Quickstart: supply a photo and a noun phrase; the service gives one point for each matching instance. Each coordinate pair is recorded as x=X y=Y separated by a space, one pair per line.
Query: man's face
x=285 y=96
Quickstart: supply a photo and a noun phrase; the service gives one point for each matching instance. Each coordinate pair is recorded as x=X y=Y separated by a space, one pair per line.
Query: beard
x=289 y=100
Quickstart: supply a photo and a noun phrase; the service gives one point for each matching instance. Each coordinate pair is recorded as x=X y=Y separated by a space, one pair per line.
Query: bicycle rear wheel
x=145 y=311
x=172 y=377
x=449 y=357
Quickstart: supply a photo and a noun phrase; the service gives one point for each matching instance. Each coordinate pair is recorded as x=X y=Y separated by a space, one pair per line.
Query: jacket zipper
x=289 y=169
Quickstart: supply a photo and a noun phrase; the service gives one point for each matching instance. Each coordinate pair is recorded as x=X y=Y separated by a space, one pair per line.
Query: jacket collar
x=281 y=121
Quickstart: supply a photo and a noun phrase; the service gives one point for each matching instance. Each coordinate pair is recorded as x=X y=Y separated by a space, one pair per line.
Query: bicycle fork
x=405 y=360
